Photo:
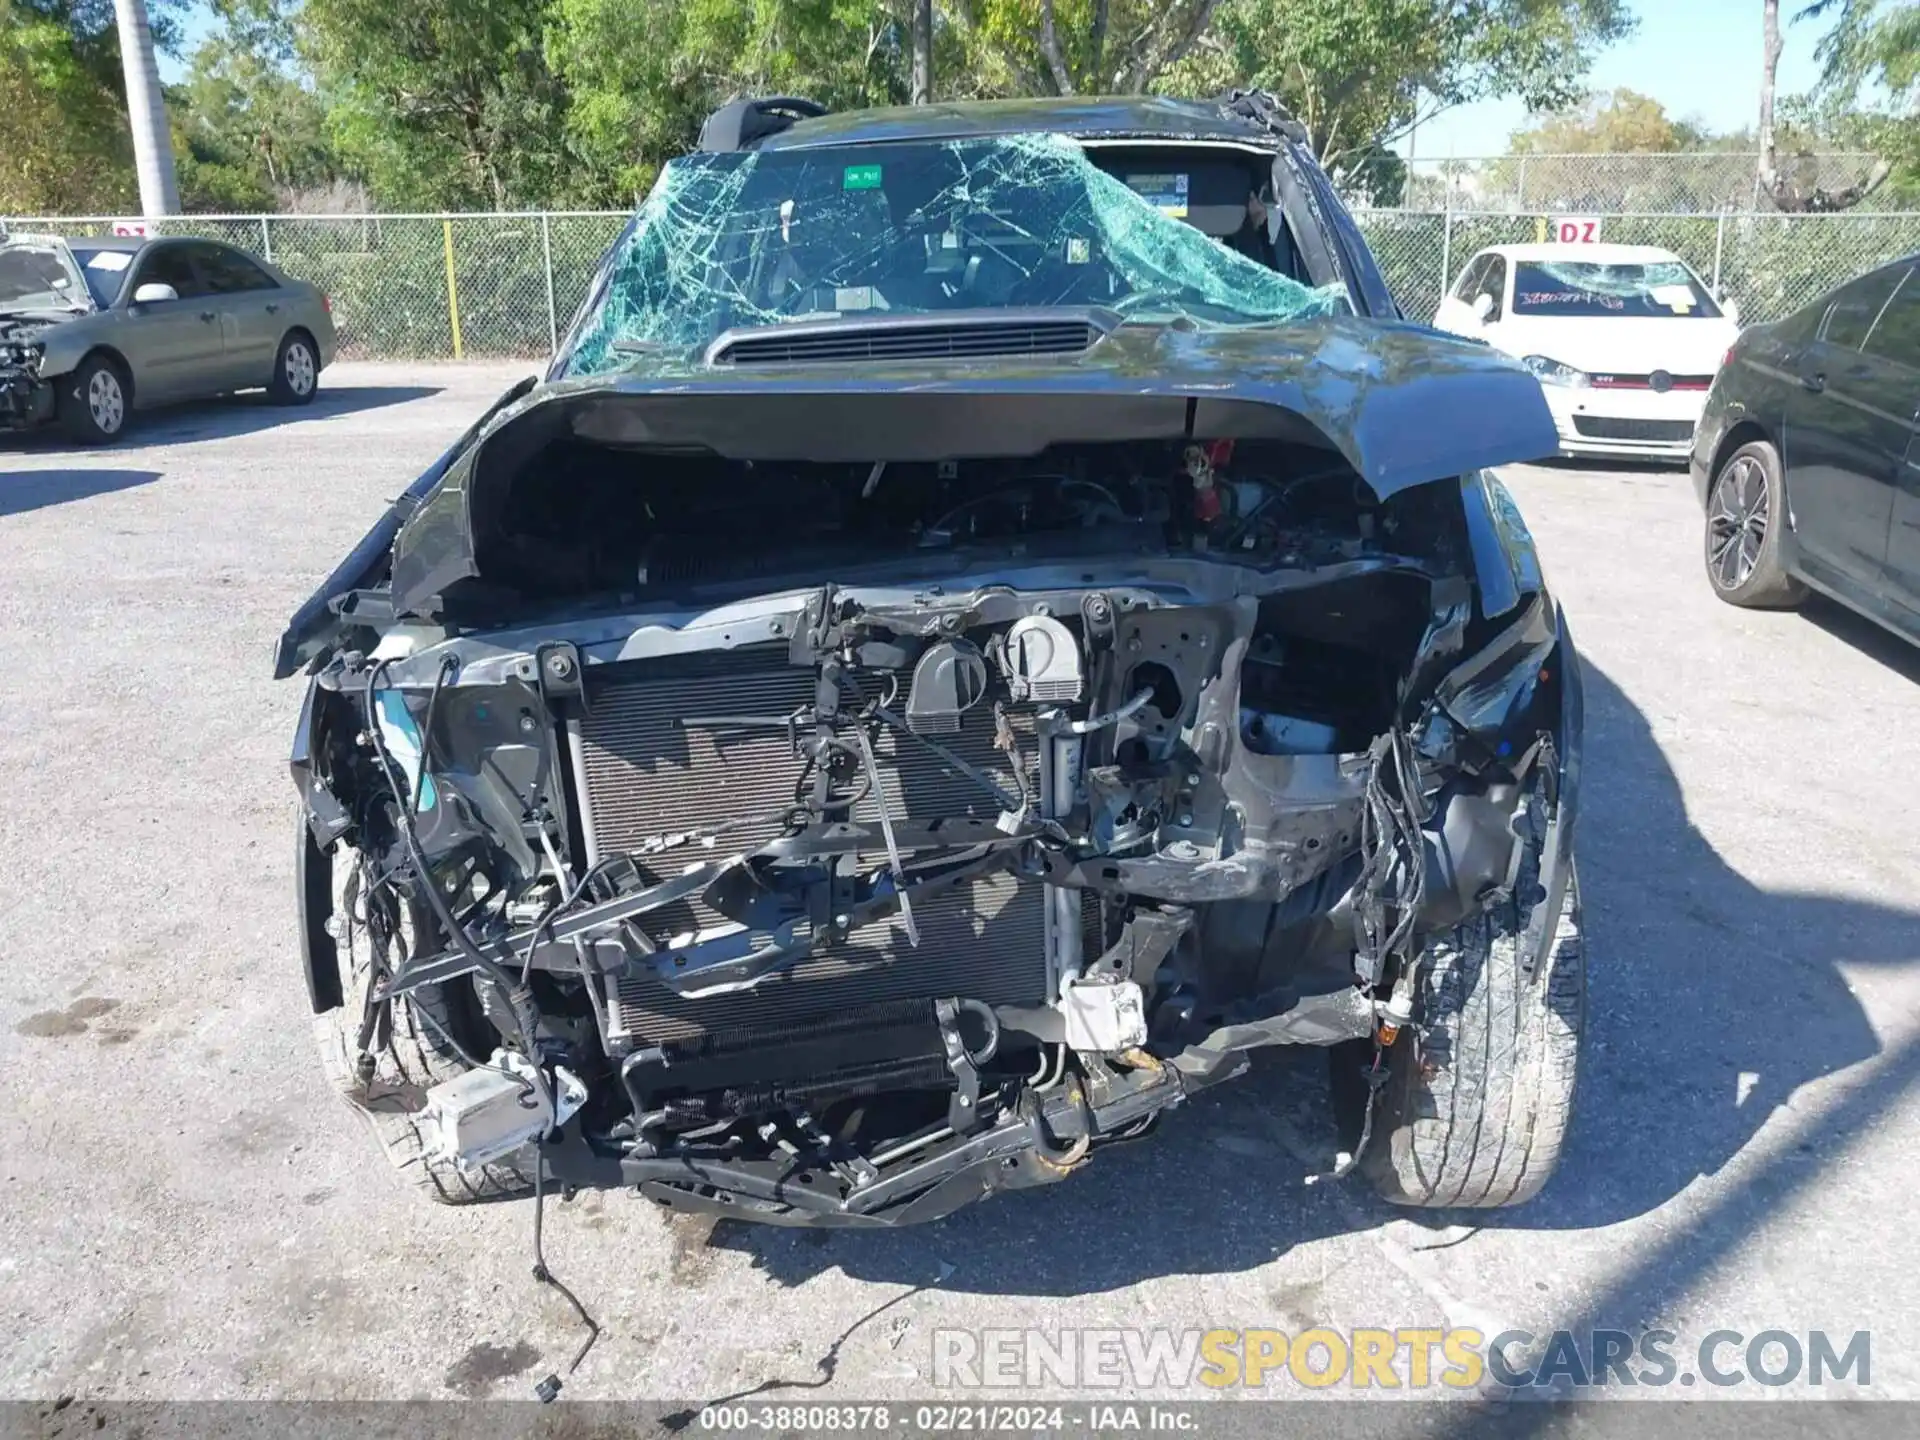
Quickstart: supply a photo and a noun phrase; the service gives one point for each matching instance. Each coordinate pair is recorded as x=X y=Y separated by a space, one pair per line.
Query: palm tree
x=146 y=112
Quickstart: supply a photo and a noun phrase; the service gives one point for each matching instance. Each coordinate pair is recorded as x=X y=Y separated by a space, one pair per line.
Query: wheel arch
x=1745 y=431
x=114 y=358
x=302 y=333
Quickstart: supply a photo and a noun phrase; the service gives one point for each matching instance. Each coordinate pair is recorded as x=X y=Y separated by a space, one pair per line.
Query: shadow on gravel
x=24 y=490
x=230 y=415
x=1712 y=1002
x=1875 y=641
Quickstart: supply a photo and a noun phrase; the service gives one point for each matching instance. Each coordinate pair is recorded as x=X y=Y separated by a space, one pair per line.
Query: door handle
x=1815 y=382
x=207 y=316
x=273 y=307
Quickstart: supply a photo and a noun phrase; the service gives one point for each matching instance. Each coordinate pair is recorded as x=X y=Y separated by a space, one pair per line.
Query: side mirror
x=1482 y=306
x=1730 y=308
x=153 y=293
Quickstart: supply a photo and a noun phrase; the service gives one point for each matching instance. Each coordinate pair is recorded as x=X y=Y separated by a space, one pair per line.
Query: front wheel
x=1480 y=1091
x=415 y=1048
x=94 y=402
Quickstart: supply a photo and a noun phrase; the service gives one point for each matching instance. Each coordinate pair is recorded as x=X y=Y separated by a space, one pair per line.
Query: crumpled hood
x=1404 y=404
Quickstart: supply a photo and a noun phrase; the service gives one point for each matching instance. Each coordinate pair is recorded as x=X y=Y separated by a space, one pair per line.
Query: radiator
x=641 y=774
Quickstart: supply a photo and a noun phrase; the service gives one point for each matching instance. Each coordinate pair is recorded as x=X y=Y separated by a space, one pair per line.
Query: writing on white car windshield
x=1653 y=289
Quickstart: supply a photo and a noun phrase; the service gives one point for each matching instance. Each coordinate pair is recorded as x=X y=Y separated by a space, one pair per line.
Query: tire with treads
x=1748 y=499
x=408 y=1061
x=1480 y=1092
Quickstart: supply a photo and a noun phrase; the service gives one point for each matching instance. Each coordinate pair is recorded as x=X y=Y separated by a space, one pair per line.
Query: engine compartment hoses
x=447 y=666
x=1044 y=1152
x=1112 y=717
x=987 y=1018
x=517 y=1001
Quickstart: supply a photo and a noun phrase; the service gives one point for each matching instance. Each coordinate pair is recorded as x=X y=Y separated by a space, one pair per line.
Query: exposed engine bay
x=23 y=398
x=829 y=842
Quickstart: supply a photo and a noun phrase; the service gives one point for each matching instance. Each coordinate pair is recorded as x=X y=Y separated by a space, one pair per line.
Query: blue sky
x=1698 y=58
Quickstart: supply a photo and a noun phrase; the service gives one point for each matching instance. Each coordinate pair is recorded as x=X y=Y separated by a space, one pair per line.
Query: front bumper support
x=26 y=400
x=1036 y=1144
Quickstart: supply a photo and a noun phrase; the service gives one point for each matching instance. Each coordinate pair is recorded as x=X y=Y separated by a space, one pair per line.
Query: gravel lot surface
x=189 y=1212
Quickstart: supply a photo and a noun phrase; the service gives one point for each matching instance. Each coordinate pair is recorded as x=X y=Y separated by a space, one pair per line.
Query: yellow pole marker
x=453 y=290
x=1539 y=232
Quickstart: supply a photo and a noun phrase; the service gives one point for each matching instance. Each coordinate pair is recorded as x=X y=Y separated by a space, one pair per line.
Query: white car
x=1626 y=339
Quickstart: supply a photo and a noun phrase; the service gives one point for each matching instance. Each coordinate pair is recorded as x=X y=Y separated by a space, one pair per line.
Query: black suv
x=990 y=619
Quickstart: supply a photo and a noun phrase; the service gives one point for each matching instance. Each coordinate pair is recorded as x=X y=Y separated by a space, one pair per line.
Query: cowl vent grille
x=915 y=337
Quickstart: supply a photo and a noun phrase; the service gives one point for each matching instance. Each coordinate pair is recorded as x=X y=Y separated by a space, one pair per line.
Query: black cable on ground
x=548 y=1388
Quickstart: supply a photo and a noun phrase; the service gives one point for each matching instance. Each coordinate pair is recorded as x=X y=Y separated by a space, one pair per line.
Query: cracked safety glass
x=731 y=241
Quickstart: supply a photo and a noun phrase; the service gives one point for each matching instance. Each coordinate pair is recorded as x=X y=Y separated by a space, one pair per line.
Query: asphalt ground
x=190 y=1212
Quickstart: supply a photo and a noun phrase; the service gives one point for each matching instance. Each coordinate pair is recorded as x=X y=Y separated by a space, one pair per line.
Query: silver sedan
x=92 y=329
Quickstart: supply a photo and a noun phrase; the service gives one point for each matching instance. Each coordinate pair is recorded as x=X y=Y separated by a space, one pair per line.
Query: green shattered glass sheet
x=762 y=238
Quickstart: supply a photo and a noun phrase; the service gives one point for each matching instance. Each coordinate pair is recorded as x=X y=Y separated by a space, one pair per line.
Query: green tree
x=1360 y=73
x=1068 y=47
x=1617 y=122
x=641 y=75
x=441 y=103
x=64 y=142
x=248 y=131
x=1868 y=96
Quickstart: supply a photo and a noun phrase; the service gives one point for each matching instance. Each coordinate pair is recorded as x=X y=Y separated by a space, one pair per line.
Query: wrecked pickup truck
x=951 y=660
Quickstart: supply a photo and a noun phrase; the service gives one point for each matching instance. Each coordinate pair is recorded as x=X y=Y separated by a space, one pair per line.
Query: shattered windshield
x=765 y=238
x=1662 y=288
x=39 y=276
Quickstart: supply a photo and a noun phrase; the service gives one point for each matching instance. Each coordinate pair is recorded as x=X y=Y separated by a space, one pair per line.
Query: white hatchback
x=1626 y=339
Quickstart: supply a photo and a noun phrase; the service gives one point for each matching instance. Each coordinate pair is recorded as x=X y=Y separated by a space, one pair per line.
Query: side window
x=1803 y=324
x=1857 y=306
x=1495 y=284
x=170 y=265
x=228 y=272
x=1470 y=278
x=1896 y=334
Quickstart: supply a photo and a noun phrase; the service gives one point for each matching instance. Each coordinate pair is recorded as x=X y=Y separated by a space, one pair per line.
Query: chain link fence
x=460 y=286
x=1681 y=183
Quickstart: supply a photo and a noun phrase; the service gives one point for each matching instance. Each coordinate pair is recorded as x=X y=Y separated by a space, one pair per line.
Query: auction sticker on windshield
x=860 y=177
x=1166 y=193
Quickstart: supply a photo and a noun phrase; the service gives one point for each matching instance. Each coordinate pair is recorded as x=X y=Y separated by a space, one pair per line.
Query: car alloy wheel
x=106 y=401
x=299 y=367
x=1737 y=523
